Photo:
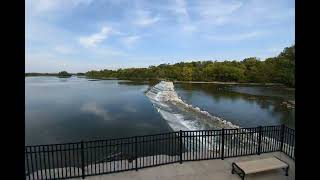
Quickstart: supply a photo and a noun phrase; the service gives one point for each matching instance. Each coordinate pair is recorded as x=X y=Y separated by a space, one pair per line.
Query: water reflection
x=245 y=108
x=74 y=109
x=79 y=109
x=95 y=109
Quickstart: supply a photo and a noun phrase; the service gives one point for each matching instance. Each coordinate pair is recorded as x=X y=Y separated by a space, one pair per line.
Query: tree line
x=279 y=69
x=60 y=74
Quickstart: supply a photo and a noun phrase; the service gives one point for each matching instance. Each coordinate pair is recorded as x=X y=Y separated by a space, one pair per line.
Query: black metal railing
x=81 y=159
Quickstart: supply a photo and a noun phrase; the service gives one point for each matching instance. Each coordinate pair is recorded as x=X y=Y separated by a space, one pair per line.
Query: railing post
x=282 y=137
x=259 y=139
x=82 y=161
x=136 y=151
x=180 y=137
x=222 y=144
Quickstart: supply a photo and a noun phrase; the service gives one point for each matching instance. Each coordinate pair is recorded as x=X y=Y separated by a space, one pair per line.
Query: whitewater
x=183 y=116
x=179 y=114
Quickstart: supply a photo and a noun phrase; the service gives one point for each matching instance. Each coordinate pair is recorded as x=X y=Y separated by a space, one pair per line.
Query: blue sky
x=82 y=35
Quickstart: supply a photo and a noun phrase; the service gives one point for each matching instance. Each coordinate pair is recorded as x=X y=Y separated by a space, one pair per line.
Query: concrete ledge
x=202 y=170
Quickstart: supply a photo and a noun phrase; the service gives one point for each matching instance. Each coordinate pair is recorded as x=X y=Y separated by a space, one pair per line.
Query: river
x=62 y=110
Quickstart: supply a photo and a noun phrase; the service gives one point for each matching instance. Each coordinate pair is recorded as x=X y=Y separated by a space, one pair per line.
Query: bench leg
x=239 y=171
x=287 y=171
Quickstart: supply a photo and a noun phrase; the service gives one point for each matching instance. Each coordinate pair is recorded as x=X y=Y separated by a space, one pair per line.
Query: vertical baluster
x=69 y=159
x=259 y=140
x=222 y=144
x=32 y=162
x=49 y=162
x=27 y=163
x=204 y=144
x=77 y=161
x=218 y=138
x=245 y=141
x=240 y=142
x=216 y=141
x=153 y=149
x=136 y=151
x=291 y=144
x=36 y=161
x=40 y=162
x=282 y=136
x=180 y=141
x=170 y=148
x=45 y=162
x=82 y=160
x=61 y=161
x=108 y=149
x=53 y=161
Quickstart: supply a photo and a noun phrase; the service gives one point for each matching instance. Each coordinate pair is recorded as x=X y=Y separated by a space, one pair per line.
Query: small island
x=64 y=74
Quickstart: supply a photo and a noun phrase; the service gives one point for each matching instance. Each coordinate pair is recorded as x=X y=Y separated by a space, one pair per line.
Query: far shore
x=231 y=83
x=190 y=82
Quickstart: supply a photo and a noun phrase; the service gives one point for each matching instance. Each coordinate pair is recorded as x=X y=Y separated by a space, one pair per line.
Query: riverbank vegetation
x=62 y=74
x=279 y=69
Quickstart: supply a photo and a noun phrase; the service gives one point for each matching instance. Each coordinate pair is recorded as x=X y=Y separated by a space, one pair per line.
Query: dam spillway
x=179 y=114
x=182 y=116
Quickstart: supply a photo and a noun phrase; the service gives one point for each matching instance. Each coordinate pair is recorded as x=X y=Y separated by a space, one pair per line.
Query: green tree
x=279 y=69
x=64 y=74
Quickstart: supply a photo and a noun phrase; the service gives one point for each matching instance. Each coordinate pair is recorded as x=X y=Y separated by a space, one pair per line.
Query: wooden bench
x=254 y=166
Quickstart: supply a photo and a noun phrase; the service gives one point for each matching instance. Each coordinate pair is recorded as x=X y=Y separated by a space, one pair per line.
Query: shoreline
x=232 y=83
x=188 y=82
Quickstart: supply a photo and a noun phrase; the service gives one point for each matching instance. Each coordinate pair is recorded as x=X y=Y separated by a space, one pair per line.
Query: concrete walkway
x=202 y=170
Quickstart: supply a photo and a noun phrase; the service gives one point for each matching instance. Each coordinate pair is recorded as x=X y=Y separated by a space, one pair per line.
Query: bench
x=254 y=166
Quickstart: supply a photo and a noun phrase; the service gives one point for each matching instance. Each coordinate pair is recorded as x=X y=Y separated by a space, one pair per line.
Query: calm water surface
x=64 y=110
x=246 y=106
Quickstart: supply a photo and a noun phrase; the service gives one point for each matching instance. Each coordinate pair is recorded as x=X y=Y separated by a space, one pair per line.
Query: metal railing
x=81 y=159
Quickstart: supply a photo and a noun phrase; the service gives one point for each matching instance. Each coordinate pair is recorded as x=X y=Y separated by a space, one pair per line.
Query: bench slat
x=261 y=165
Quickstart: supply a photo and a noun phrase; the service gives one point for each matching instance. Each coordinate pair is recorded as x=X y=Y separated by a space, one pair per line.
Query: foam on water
x=183 y=116
x=180 y=115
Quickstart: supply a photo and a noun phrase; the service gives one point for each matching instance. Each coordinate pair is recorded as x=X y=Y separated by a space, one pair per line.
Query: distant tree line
x=40 y=74
x=279 y=69
x=62 y=74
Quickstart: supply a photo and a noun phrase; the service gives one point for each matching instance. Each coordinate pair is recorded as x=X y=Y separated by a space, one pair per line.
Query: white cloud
x=96 y=110
x=130 y=40
x=43 y=62
x=55 y=26
x=181 y=10
x=42 y=6
x=188 y=28
x=236 y=37
x=95 y=39
x=217 y=11
x=63 y=49
x=144 y=18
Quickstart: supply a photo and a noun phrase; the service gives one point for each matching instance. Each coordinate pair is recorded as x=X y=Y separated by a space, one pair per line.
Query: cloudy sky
x=82 y=35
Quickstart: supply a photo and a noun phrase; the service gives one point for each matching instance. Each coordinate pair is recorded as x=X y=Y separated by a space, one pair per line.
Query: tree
x=64 y=74
x=186 y=74
x=279 y=69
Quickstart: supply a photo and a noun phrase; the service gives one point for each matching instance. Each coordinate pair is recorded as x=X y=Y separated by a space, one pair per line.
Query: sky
x=83 y=35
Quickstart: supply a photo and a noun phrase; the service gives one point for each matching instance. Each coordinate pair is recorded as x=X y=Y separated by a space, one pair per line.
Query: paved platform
x=202 y=170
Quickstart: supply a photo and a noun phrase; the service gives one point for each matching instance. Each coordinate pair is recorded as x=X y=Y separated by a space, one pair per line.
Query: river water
x=62 y=110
